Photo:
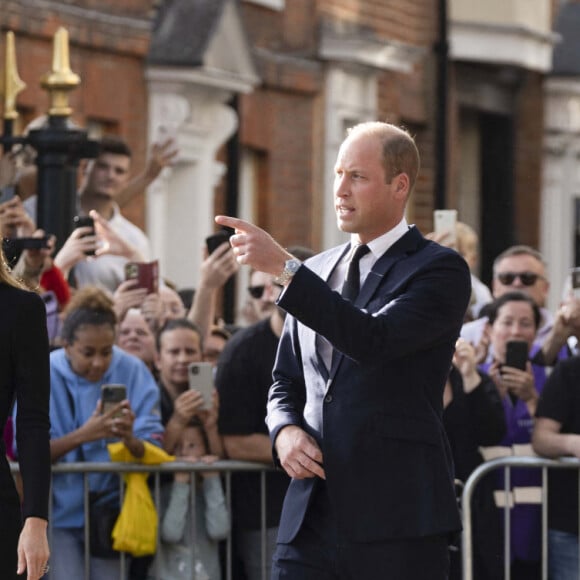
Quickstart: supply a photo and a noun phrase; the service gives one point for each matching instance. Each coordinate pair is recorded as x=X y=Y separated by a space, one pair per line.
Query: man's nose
x=340 y=186
x=269 y=293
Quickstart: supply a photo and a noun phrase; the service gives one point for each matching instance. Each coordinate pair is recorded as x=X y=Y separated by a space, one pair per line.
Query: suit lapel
x=400 y=249
x=406 y=245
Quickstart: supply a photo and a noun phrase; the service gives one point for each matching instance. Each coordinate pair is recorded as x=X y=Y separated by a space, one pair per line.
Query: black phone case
x=516 y=354
x=216 y=240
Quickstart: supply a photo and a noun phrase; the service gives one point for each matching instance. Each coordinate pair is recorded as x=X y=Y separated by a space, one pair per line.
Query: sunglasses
x=526 y=278
x=258 y=291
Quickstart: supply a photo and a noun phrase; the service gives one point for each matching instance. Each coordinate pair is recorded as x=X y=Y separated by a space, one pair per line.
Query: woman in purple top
x=515 y=317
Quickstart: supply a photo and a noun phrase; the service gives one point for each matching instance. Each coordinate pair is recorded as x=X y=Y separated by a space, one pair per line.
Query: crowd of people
x=418 y=379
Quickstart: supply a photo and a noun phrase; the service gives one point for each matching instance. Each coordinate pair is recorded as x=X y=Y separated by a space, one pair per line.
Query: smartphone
x=445 y=221
x=575 y=281
x=215 y=240
x=146 y=274
x=516 y=354
x=201 y=379
x=81 y=221
x=112 y=395
x=19 y=244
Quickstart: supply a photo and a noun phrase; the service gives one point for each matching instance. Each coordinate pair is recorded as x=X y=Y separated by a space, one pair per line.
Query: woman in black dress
x=24 y=377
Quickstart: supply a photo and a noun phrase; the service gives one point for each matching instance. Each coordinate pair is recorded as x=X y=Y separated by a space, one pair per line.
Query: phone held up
x=516 y=354
x=111 y=396
x=201 y=379
x=145 y=273
x=215 y=240
x=445 y=221
x=13 y=245
x=85 y=221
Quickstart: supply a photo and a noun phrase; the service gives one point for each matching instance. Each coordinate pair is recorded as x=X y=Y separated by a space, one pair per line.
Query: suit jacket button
x=328 y=399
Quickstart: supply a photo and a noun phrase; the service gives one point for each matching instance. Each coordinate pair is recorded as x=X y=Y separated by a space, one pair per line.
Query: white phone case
x=201 y=379
x=445 y=221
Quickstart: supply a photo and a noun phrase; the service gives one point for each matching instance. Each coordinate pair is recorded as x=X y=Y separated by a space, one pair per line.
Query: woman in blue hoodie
x=81 y=429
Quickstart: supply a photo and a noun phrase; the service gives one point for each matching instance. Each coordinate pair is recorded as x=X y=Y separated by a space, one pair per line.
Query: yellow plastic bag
x=135 y=531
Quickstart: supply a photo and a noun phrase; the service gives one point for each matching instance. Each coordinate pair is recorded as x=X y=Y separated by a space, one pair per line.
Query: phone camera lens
x=195 y=370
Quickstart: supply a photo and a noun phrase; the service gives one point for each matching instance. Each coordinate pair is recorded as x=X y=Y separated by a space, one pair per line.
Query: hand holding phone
x=516 y=354
x=85 y=221
x=111 y=396
x=214 y=241
x=201 y=379
x=145 y=273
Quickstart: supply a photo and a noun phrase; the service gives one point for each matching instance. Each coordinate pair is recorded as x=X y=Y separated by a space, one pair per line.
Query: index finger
x=236 y=223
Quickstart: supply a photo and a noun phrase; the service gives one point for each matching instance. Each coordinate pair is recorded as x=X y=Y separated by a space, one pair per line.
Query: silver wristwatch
x=290 y=268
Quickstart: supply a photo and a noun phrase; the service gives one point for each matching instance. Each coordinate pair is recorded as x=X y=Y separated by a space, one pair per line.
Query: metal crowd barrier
x=507 y=463
x=225 y=468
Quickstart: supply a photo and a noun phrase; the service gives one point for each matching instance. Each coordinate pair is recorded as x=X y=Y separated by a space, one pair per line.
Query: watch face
x=293 y=265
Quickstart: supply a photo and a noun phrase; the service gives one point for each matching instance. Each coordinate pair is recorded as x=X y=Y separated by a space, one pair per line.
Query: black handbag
x=103 y=515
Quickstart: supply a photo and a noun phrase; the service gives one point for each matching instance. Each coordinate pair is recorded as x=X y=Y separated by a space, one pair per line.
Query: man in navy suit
x=355 y=409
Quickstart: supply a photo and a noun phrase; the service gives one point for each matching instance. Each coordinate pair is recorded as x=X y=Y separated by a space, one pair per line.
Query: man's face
x=364 y=203
x=177 y=350
x=108 y=175
x=263 y=294
x=530 y=278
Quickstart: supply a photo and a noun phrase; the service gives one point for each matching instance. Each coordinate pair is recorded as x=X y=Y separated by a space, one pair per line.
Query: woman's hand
x=14 y=221
x=127 y=296
x=188 y=404
x=209 y=417
x=520 y=383
x=495 y=374
x=33 y=551
x=115 y=422
x=464 y=360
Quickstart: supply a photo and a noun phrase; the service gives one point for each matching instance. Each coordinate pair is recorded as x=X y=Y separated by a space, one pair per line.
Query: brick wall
x=106 y=51
x=529 y=131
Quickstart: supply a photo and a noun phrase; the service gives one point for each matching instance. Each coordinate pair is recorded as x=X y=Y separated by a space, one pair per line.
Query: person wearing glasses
x=520 y=268
x=243 y=377
x=262 y=296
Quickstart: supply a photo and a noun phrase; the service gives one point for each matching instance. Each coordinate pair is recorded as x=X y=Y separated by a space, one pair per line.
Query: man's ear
x=401 y=185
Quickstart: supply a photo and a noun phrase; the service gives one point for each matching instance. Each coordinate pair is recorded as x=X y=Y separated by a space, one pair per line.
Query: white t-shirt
x=108 y=271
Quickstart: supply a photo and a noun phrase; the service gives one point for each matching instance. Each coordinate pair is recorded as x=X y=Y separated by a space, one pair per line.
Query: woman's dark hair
x=174 y=324
x=89 y=306
x=492 y=310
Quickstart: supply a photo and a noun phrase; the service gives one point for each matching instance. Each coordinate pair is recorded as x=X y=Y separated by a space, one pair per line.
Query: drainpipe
x=442 y=54
x=232 y=198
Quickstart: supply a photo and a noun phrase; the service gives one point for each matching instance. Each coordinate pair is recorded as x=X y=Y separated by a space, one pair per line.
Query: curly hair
x=6 y=276
x=89 y=306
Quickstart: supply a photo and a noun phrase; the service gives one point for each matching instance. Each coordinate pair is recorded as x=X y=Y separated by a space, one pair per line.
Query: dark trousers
x=320 y=553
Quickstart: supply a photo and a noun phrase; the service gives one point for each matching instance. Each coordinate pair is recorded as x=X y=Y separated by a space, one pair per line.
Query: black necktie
x=351 y=286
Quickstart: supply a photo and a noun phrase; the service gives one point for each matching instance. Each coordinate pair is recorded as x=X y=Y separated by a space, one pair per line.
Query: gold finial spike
x=61 y=80
x=12 y=82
